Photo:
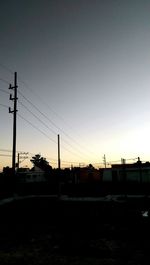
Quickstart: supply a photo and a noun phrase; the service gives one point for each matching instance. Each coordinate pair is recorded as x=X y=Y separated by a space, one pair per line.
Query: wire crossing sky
x=84 y=64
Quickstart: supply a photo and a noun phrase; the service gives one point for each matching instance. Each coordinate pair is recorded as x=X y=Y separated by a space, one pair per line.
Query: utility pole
x=104 y=160
x=18 y=161
x=140 y=169
x=59 y=152
x=59 y=167
x=23 y=156
x=14 y=111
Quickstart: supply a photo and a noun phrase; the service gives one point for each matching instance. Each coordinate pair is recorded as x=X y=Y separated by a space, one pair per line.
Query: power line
x=45 y=103
x=5 y=106
x=4 y=81
x=49 y=121
x=5 y=150
x=40 y=112
x=73 y=162
x=29 y=88
x=71 y=152
x=110 y=162
x=6 y=68
x=32 y=154
x=72 y=139
x=52 y=160
x=9 y=151
x=47 y=127
x=5 y=155
x=6 y=92
x=60 y=117
x=37 y=128
x=37 y=118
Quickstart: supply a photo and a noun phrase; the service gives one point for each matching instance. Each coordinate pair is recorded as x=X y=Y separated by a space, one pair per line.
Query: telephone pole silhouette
x=104 y=160
x=21 y=155
x=14 y=111
x=59 y=166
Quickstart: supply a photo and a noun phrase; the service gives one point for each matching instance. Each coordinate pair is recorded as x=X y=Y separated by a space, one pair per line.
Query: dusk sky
x=83 y=72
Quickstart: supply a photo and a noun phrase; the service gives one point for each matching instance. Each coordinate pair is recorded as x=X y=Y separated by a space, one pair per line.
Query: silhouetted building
x=25 y=175
x=137 y=173
x=86 y=174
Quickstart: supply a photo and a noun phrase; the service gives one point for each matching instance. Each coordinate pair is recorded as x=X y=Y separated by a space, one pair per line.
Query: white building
x=36 y=174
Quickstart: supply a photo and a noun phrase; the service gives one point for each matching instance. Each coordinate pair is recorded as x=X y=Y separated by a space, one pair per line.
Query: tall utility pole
x=58 y=152
x=59 y=171
x=14 y=111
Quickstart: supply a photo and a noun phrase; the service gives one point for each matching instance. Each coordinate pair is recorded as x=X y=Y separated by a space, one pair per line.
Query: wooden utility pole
x=14 y=111
x=59 y=167
x=59 y=152
x=18 y=161
x=104 y=160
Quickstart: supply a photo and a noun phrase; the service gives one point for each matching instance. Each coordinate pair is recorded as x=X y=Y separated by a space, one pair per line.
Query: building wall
x=31 y=176
x=129 y=173
x=35 y=177
x=84 y=175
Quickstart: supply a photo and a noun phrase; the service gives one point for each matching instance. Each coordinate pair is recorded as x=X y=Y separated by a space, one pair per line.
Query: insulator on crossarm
x=10 y=111
x=10 y=97
x=10 y=86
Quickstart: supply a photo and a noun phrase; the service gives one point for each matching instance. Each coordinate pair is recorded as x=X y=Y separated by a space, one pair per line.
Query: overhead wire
x=37 y=117
x=35 y=127
x=40 y=112
x=5 y=150
x=52 y=160
x=108 y=163
x=10 y=151
x=6 y=68
x=45 y=103
x=5 y=155
x=6 y=92
x=4 y=81
x=68 y=136
x=48 y=128
x=50 y=122
x=3 y=105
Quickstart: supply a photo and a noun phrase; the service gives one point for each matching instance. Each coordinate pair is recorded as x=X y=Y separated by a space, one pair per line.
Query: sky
x=83 y=73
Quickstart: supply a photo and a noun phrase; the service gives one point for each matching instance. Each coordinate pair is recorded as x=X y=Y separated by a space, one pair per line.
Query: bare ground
x=27 y=238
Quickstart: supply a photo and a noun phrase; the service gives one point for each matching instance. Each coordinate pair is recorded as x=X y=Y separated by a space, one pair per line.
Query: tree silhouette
x=41 y=162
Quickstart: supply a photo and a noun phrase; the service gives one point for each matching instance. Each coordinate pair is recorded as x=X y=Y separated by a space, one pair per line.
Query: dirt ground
x=49 y=245
x=28 y=239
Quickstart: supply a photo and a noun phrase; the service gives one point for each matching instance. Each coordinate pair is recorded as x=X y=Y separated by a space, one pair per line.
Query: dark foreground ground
x=47 y=231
